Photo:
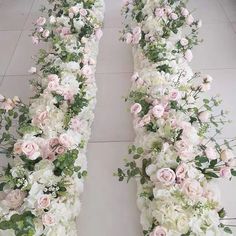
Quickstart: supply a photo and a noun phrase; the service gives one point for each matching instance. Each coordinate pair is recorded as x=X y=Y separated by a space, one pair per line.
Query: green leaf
x=233 y=172
x=228 y=230
x=211 y=175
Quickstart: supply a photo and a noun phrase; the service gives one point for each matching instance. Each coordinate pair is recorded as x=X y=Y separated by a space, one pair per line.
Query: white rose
x=192 y=188
x=30 y=149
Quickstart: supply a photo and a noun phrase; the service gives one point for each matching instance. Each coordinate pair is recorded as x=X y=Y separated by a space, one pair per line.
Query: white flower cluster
x=42 y=186
x=175 y=158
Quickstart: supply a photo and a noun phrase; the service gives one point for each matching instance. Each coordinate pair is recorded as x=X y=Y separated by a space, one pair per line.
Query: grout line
x=21 y=32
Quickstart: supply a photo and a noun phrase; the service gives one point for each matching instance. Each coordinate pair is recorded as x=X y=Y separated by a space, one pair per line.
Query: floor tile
x=230 y=8
x=113 y=14
x=16 y=86
x=22 y=58
x=218 y=49
x=13 y=13
x=109 y=207
x=234 y=26
x=209 y=11
x=114 y=56
x=112 y=119
x=8 y=42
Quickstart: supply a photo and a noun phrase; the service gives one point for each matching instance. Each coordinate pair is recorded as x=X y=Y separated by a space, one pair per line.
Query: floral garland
x=176 y=156
x=41 y=186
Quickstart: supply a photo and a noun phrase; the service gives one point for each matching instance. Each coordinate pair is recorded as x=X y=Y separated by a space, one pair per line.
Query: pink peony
x=166 y=176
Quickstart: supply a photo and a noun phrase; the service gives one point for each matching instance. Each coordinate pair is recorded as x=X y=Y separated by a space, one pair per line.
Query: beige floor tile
x=109 y=207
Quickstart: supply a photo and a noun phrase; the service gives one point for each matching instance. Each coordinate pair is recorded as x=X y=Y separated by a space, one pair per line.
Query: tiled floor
x=108 y=205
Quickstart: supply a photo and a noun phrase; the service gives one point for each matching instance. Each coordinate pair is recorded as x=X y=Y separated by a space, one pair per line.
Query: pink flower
x=174 y=95
x=184 y=12
x=182 y=170
x=204 y=116
x=225 y=172
x=30 y=149
x=87 y=70
x=44 y=202
x=166 y=176
x=8 y=104
x=189 y=20
x=188 y=55
x=64 y=31
x=137 y=35
x=53 y=77
x=205 y=87
x=173 y=16
x=226 y=155
x=159 y=231
x=17 y=148
x=53 y=86
x=185 y=150
x=35 y=40
x=136 y=108
x=184 y=42
x=98 y=34
x=40 y=118
x=60 y=150
x=211 y=153
x=83 y=12
x=159 y=12
x=128 y=38
x=158 y=111
x=65 y=140
x=75 y=124
x=14 y=198
x=54 y=142
x=146 y=119
x=48 y=219
x=74 y=11
x=46 y=33
x=41 y=21
x=192 y=188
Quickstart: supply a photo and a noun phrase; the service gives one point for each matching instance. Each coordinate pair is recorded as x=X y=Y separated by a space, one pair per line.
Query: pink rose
x=128 y=38
x=192 y=188
x=166 y=176
x=182 y=170
x=44 y=201
x=86 y=70
x=17 y=148
x=65 y=140
x=158 y=111
x=184 y=12
x=189 y=20
x=35 y=40
x=173 y=16
x=41 y=21
x=48 y=219
x=75 y=124
x=53 y=77
x=40 y=118
x=188 y=55
x=98 y=34
x=146 y=119
x=185 y=150
x=159 y=231
x=83 y=12
x=8 y=104
x=74 y=11
x=211 y=153
x=136 y=108
x=168 y=10
x=60 y=150
x=225 y=172
x=54 y=142
x=14 y=198
x=30 y=149
x=174 y=95
x=204 y=116
x=46 y=33
x=226 y=155
x=159 y=12
x=53 y=86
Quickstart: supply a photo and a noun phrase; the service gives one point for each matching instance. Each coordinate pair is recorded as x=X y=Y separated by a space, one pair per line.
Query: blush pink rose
x=159 y=231
x=41 y=21
x=174 y=95
x=136 y=108
x=211 y=153
x=182 y=170
x=158 y=111
x=48 y=219
x=14 y=198
x=166 y=176
x=44 y=201
x=225 y=172
x=30 y=149
x=83 y=12
x=192 y=188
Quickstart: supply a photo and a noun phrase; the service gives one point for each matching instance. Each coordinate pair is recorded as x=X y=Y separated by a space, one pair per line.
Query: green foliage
x=23 y=225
